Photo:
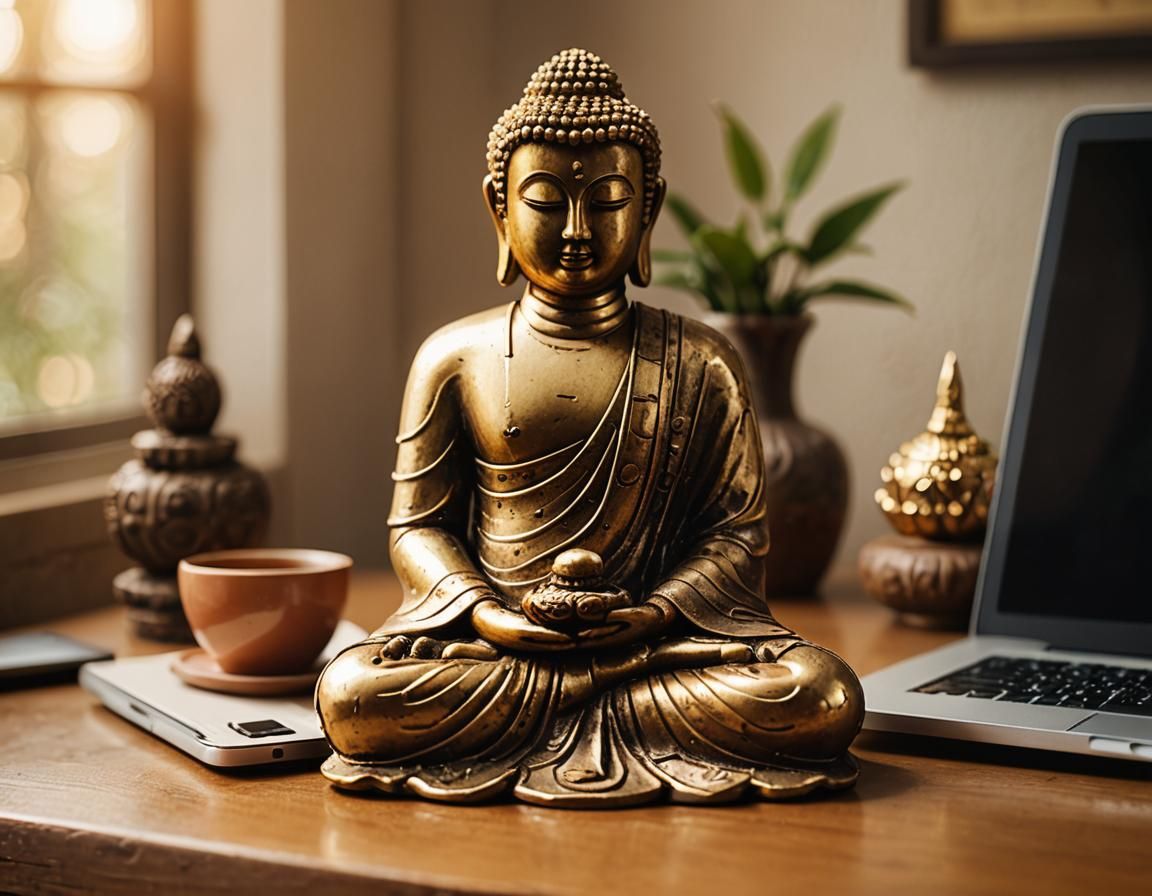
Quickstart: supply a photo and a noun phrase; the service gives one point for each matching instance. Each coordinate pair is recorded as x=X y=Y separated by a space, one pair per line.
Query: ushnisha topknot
x=573 y=98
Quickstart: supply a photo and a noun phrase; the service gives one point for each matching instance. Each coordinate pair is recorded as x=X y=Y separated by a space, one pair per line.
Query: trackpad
x=1115 y=726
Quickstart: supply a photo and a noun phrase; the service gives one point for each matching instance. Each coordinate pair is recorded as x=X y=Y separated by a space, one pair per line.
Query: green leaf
x=809 y=153
x=853 y=289
x=749 y=168
x=673 y=279
x=686 y=215
x=791 y=302
x=779 y=248
x=672 y=255
x=697 y=278
x=733 y=266
x=732 y=254
x=837 y=228
x=740 y=231
x=709 y=285
x=694 y=281
x=767 y=276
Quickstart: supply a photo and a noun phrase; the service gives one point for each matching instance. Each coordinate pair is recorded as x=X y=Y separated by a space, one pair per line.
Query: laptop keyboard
x=1051 y=683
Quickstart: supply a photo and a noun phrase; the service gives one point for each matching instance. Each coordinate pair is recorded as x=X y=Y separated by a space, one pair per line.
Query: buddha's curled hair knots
x=573 y=98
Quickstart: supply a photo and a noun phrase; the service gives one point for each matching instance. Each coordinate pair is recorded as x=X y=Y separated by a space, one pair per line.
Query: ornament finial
x=184 y=341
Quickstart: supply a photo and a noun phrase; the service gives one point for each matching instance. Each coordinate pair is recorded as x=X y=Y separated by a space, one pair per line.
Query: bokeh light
x=54 y=303
x=95 y=40
x=91 y=126
x=97 y=29
x=11 y=36
x=75 y=206
x=65 y=380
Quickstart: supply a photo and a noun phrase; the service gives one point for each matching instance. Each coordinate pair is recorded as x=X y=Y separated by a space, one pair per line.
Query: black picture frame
x=929 y=48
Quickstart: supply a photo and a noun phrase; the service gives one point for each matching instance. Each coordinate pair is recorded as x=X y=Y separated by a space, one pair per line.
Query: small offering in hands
x=576 y=595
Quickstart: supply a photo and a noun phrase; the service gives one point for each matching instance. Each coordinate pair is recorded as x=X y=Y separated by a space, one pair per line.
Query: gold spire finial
x=939 y=484
x=948 y=415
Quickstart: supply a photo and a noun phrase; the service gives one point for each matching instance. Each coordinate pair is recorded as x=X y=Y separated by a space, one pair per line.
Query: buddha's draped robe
x=668 y=489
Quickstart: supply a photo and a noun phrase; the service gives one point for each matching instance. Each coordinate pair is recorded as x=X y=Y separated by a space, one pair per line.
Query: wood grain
x=90 y=803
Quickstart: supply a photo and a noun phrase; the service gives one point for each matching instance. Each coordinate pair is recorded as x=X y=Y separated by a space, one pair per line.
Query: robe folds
x=666 y=484
x=667 y=488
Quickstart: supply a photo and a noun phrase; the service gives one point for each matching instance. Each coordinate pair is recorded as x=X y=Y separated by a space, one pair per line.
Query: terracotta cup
x=264 y=611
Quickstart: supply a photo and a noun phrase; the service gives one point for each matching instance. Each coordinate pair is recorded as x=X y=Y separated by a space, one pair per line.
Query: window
x=94 y=212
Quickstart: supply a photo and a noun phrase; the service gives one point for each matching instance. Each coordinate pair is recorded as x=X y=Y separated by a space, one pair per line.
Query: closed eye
x=613 y=191
x=541 y=192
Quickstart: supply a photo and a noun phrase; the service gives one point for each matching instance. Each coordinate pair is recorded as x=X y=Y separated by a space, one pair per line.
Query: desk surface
x=88 y=801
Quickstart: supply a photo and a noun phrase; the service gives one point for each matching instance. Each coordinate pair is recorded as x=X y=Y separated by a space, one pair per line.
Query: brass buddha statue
x=579 y=522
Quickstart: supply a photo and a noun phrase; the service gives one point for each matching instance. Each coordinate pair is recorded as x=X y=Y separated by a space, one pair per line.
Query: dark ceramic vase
x=805 y=470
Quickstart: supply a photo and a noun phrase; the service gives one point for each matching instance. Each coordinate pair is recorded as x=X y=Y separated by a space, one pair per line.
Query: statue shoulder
x=442 y=358
x=714 y=345
x=699 y=341
x=449 y=348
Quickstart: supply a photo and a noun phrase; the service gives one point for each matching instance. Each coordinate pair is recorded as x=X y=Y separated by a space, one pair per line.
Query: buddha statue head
x=574 y=181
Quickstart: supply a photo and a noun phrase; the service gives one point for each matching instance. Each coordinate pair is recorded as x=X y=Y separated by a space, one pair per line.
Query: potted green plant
x=758 y=280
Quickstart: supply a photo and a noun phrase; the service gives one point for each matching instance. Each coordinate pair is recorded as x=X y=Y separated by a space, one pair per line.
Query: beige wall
x=238 y=243
x=341 y=179
x=295 y=254
x=447 y=53
x=959 y=242
x=340 y=159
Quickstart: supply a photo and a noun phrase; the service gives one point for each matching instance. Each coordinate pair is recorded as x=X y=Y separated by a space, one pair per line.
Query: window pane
x=98 y=42
x=75 y=317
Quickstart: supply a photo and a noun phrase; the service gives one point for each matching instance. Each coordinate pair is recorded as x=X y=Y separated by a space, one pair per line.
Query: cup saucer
x=197 y=668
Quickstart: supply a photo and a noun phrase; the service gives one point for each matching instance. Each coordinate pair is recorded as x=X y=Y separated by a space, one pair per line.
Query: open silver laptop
x=1059 y=654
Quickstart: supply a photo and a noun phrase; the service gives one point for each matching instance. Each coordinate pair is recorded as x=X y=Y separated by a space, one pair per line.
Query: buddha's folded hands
x=401 y=647
x=627 y=625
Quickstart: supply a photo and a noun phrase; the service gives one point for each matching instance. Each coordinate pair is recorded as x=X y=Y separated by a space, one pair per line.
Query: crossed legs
x=786 y=698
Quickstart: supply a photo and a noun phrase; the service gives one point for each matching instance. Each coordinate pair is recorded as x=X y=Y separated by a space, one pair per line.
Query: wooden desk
x=89 y=802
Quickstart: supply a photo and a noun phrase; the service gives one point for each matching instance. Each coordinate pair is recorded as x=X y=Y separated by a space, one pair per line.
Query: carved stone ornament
x=936 y=491
x=579 y=521
x=930 y=584
x=183 y=493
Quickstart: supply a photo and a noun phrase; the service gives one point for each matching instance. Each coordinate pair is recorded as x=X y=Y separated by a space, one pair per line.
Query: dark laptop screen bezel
x=1105 y=636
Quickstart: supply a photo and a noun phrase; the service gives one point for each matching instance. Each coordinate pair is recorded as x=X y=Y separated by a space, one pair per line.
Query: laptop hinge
x=1125 y=654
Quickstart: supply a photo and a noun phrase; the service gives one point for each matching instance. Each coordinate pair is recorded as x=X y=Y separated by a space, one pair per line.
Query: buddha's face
x=575 y=213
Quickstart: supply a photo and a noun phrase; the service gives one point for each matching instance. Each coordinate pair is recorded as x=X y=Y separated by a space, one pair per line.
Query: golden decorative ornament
x=939 y=484
x=579 y=522
x=936 y=493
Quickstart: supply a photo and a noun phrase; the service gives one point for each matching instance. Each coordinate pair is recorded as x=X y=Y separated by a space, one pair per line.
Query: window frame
x=167 y=95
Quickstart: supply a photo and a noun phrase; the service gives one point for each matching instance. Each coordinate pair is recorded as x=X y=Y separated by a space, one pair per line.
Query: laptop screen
x=1072 y=535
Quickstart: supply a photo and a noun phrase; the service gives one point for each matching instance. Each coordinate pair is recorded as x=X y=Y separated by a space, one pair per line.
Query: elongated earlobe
x=507 y=270
x=641 y=271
